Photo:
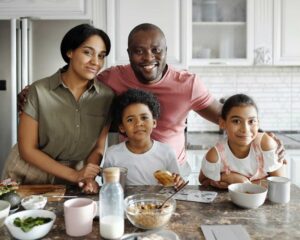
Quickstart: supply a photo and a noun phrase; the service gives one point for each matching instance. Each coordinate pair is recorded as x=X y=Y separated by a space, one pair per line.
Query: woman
x=64 y=115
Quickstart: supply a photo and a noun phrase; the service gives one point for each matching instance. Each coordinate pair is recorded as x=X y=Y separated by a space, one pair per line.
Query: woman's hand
x=89 y=186
x=280 y=151
x=178 y=180
x=91 y=170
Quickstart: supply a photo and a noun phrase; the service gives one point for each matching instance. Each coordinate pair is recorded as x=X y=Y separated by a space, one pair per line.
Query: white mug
x=79 y=214
x=279 y=189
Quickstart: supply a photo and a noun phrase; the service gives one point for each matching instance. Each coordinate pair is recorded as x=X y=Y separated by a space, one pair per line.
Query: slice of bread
x=165 y=178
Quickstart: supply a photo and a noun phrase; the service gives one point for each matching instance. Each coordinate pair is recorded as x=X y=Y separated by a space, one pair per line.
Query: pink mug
x=79 y=214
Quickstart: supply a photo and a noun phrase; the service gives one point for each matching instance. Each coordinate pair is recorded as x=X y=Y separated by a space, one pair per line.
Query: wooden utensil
x=48 y=190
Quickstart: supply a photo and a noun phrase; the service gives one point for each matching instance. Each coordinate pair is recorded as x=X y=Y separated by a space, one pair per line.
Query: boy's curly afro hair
x=133 y=96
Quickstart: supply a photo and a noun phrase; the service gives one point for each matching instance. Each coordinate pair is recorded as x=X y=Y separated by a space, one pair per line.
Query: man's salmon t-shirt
x=178 y=92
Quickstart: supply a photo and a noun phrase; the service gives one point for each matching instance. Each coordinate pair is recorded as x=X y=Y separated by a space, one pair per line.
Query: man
x=178 y=91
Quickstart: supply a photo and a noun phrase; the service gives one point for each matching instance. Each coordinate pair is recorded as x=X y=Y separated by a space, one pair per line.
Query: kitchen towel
x=225 y=232
x=191 y=195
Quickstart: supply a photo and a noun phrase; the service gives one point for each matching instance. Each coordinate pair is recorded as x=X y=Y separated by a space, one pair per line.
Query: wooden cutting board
x=47 y=190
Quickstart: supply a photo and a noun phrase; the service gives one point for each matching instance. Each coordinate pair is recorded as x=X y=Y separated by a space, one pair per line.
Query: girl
x=245 y=155
x=64 y=115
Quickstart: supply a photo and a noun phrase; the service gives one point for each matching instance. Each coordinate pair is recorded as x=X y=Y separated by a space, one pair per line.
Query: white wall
x=276 y=91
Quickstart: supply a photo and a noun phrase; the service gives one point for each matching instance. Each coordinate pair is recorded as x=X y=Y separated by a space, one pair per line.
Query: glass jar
x=209 y=11
x=111 y=207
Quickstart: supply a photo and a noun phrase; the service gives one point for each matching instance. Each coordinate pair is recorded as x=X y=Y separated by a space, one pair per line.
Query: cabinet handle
x=217 y=63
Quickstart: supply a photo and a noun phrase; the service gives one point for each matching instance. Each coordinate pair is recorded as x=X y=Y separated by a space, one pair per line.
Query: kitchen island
x=270 y=221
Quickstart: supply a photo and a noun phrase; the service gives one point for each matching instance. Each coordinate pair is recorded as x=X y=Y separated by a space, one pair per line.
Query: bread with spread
x=165 y=178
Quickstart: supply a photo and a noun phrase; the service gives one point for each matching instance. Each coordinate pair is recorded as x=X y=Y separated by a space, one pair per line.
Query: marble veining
x=270 y=221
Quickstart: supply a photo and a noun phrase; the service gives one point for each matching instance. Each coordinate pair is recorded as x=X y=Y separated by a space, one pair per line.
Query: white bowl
x=37 y=231
x=247 y=195
x=4 y=211
x=34 y=202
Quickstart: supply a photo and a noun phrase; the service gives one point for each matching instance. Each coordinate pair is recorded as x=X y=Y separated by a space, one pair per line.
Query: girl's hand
x=178 y=180
x=280 y=151
x=234 y=177
x=91 y=170
x=208 y=182
x=218 y=184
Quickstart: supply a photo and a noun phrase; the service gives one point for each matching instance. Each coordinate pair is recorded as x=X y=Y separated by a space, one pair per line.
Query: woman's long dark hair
x=77 y=35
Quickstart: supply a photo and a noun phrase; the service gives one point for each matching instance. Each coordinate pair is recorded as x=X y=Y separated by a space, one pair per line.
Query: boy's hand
x=178 y=180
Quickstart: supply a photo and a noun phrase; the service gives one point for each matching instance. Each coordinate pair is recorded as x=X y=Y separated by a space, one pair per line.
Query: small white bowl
x=4 y=211
x=37 y=231
x=34 y=202
x=247 y=195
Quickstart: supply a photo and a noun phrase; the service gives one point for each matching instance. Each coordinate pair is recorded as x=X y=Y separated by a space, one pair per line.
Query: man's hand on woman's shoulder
x=280 y=148
x=22 y=98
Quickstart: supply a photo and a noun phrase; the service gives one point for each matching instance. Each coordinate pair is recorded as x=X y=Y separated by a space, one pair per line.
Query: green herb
x=6 y=189
x=28 y=223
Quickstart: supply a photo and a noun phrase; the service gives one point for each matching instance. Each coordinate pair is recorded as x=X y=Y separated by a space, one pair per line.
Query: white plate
x=166 y=234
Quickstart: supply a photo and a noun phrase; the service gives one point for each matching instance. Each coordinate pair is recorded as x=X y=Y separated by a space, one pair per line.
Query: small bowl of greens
x=30 y=224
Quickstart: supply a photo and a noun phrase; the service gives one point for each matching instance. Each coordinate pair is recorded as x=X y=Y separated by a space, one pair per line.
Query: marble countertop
x=269 y=221
x=205 y=140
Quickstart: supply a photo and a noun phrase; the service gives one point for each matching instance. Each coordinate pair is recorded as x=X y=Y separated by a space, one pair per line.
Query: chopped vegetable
x=28 y=223
x=8 y=185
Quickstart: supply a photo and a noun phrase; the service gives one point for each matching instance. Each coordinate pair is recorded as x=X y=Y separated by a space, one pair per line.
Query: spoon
x=173 y=194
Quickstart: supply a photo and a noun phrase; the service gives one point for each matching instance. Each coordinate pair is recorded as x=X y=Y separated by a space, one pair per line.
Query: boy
x=135 y=113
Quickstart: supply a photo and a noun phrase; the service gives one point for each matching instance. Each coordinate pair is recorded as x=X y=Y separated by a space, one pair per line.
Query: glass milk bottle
x=111 y=207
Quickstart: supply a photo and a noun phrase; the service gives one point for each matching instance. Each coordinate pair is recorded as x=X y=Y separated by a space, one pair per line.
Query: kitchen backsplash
x=276 y=91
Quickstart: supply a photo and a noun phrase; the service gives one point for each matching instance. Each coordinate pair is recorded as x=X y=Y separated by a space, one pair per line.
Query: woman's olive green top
x=68 y=129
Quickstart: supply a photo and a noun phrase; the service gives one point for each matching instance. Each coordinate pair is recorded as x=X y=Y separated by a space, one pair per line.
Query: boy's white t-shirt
x=142 y=166
x=246 y=166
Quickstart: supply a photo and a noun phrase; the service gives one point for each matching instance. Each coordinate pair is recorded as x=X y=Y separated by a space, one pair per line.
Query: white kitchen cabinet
x=286 y=32
x=46 y=9
x=221 y=32
x=277 y=32
x=169 y=15
x=194 y=158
